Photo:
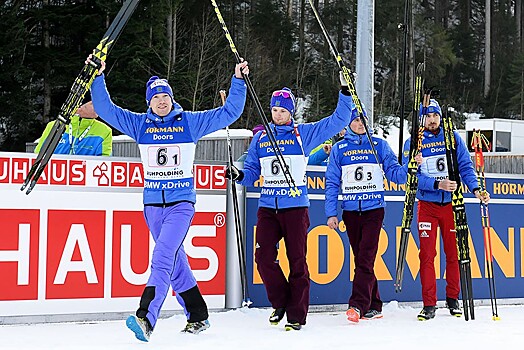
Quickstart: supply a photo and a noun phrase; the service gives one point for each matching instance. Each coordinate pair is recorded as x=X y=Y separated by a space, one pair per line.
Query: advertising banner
x=79 y=243
x=331 y=262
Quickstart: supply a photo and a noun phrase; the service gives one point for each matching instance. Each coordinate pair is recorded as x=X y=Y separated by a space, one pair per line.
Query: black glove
x=232 y=173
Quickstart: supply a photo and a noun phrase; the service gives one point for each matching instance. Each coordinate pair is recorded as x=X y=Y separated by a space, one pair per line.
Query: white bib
x=273 y=174
x=167 y=161
x=435 y=166
x=362 y=178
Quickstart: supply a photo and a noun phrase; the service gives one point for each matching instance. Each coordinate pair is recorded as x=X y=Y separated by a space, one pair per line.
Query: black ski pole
x=346 y=72
x=80 y=87
x=246 y=301
x=251 y=90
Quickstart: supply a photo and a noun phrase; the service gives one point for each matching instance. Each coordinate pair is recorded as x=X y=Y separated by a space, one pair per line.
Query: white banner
x=78 y=243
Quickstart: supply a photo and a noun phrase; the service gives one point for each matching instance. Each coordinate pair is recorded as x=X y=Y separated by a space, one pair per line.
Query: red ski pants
x=431 y=215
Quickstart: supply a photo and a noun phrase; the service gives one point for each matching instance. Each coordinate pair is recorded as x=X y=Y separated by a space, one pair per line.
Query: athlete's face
x=161 y=104
x=281 y=116
x=432 y=121
x=357 y=126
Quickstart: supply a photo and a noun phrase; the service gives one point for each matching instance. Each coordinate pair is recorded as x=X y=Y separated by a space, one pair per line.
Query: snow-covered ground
x=249 y=329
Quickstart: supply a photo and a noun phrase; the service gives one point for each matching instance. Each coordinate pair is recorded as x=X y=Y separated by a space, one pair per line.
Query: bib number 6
x=275 y=167
x=359 y=174
x=441 y=165
x=162 y=157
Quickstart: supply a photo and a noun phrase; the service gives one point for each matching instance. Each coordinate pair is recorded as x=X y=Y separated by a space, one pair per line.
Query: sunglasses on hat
x=283 y=93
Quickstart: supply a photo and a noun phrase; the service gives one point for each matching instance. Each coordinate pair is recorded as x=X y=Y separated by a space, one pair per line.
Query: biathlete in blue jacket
x=353 y=170
x=280 y=214
x=167 y=137
x=435 y=210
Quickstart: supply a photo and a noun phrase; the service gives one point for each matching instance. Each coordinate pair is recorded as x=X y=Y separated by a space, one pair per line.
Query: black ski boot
x=454 y=307
x=427 y=313
x=196 y=327
x=277 y=315
x=292 y=326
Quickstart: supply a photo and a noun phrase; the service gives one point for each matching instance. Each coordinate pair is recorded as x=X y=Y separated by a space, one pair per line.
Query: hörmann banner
x=79 y=243
x=331 y=262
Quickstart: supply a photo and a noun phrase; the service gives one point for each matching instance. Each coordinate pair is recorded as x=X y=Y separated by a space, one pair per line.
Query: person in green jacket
x=84 y=135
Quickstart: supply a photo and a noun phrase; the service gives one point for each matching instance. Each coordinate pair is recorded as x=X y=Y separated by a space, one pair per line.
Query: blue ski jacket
x=296 y=143
x=353 y=170
x=434 y=168
x=318 y=157
x=167 y=144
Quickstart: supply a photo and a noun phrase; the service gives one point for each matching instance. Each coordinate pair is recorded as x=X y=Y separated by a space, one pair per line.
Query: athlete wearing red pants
x=435 y=210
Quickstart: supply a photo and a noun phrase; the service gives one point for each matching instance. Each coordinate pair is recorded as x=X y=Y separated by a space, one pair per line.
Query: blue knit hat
x=433 y=107
x=283 y=98
x=155 y=85
x=355 y=115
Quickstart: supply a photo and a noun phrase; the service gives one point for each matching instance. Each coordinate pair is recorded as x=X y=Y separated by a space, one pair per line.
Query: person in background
x=257 y=128
x=435 y=210
x=353 y=168
x=167 y=137
x=84 y=135
x=320 y=154
x=282 y=212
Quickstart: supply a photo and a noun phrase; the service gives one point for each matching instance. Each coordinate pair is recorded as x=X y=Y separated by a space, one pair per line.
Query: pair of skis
x=459 y=214
x=80 y=87
x=417 y=131
x=478 y=142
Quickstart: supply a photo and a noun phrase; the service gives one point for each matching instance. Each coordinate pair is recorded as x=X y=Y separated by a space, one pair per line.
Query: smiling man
x=167 y=137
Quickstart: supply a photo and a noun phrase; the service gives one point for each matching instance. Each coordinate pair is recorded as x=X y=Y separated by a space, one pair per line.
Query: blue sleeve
x=252 y=163
x=333 y=176
x=393 y=170
x=426 y=183
x=205 y=122
x=317 y=157
x=125 y=121
x=465 y=164
x=316 y=133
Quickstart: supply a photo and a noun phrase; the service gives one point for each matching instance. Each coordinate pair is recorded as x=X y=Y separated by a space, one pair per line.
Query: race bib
x=274 y=176
x=435 y=166
x=168 y=162
x=362 y=178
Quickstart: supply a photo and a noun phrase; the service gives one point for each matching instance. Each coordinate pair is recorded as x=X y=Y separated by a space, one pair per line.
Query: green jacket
x=88 y=137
